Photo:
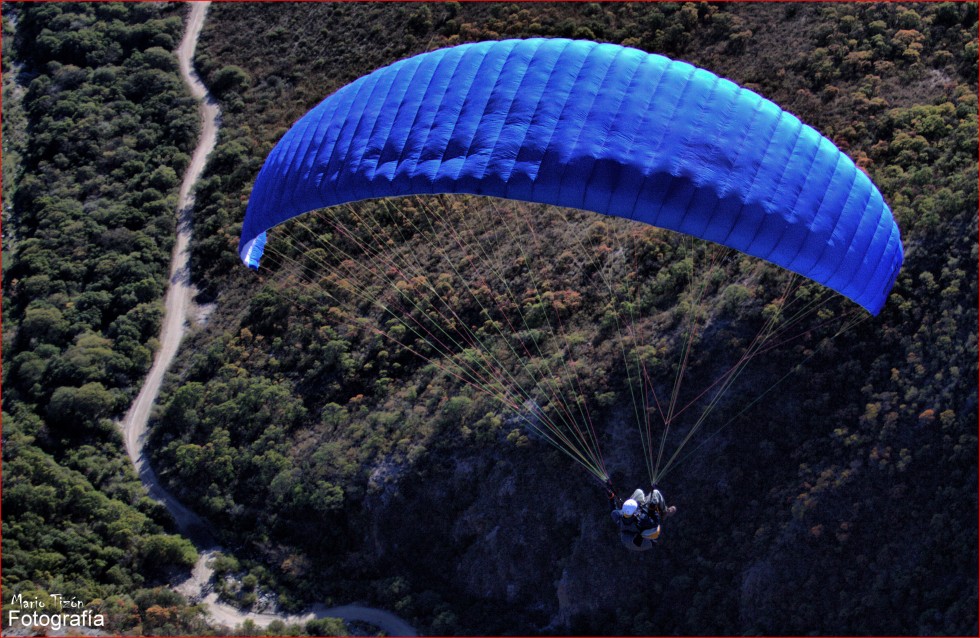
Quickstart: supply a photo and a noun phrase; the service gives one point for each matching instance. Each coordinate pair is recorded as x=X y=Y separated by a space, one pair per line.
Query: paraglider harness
x=648 y=516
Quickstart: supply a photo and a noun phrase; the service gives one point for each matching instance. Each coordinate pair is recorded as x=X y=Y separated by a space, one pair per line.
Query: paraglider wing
x=597 y=127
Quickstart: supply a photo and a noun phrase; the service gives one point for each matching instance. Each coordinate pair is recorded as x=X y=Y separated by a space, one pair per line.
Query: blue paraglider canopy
x=598 y=127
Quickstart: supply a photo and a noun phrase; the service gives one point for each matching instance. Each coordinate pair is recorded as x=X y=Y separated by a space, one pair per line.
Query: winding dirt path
x=178 y=307
x=179 y=299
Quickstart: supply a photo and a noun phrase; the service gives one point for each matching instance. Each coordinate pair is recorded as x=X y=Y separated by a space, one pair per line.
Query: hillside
x=369 y=464
x=831 y=490
x=100 y=131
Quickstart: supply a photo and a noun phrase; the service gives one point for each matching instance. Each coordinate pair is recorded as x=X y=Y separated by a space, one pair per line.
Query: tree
x=230 y=79
x=82 y=406
x=326 y=627
x=44 y=325
x=163 y=552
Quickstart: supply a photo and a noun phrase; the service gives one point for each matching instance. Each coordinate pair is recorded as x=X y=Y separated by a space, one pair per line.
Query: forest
x=833 y=491
x=97 y=129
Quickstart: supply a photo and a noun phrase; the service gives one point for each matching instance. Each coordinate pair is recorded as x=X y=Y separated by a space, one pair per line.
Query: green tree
x=163 y=552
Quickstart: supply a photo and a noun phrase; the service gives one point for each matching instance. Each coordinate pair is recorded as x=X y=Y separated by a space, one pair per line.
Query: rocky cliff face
x=519 y=537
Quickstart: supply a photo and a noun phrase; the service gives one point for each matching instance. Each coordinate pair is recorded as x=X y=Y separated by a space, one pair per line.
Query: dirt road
x=179 y=305
x=180 y=294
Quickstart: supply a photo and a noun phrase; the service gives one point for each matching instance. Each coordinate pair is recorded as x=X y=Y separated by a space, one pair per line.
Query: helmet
x=629 y=507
